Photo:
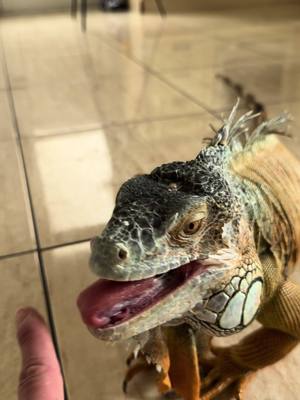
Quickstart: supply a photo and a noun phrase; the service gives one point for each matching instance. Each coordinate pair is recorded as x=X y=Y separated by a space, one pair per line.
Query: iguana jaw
x=162 y=299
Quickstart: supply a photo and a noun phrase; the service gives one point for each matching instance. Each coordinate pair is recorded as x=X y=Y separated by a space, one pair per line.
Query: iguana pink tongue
x=108 y=303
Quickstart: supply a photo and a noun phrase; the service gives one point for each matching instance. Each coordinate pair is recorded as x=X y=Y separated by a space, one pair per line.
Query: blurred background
x=86 y=102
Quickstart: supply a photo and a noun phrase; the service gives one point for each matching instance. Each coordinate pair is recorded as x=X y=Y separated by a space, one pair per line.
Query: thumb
x=40 y=376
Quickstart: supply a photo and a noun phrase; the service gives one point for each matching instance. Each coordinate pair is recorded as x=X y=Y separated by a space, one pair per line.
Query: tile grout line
x=114 y=124
x=106 y=40
x=34 y=221
x=42 y=249
x=112 y=44
x=127 y=123
x=217 y=113
x=59 y=246
x=17 y=254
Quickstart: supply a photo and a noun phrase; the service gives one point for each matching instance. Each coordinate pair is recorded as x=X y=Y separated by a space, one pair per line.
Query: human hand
x=40 y=377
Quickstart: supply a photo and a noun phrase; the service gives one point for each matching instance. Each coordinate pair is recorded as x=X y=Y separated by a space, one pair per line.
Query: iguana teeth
x=148 y=359
x=136 y=351
x=158 y=368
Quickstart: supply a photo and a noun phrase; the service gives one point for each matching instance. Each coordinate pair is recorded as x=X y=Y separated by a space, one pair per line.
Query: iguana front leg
x=172 y=351
x=152 y=355
x=184 y=365
x=280 y=317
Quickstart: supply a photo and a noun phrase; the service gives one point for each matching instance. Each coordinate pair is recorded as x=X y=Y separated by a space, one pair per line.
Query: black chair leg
x=74 y=8
x=84 y=7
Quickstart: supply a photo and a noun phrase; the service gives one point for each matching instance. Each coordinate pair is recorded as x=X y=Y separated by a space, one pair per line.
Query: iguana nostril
x=122 y=254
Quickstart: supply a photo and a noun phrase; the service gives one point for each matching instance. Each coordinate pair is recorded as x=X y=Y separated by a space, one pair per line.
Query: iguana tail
x=248 y=98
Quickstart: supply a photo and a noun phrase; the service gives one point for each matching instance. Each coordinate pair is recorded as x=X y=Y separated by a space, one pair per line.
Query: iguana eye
x=192 y=227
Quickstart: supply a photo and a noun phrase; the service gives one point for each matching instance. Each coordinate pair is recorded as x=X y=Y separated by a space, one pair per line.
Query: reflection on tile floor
x=64 y=182
x=91 y=111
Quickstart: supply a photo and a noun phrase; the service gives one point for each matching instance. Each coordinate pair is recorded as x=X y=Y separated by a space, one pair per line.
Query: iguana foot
x=143 y=364
x=174 y=358
x=223 y=374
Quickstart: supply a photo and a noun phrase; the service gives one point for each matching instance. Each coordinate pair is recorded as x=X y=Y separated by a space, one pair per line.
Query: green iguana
x=203 y=247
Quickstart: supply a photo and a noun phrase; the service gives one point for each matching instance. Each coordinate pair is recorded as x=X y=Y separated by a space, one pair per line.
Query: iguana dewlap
x=205 y=245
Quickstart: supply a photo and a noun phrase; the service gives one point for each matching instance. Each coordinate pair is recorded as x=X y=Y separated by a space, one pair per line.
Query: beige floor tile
x=268 y=14
x=277 y=44
x=47 y=35
x=28 y=67
x=188 y=51
x=124 y=28
x=257 y=27
x=19 y=286
x=74 y=177
x=6 y=126
x=26 y=70
x=279 y=48
x=70 y=177
x=3 y=83
x=103 y=60
x=67 y=107
x=269 y=82
x=94 y=370
x=47 y=109
x=53 y=50
x=138 y=97
x=16 y=232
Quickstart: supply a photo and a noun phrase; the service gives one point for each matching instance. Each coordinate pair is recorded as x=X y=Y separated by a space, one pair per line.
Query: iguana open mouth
x=108 y=303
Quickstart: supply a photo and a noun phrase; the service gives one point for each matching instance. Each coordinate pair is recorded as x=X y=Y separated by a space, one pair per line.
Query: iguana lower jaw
x=115 y=310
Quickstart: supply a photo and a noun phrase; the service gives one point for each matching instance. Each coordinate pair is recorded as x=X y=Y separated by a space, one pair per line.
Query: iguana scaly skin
x=204 y=247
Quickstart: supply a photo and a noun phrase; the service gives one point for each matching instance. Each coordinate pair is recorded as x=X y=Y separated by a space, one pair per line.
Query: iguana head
x=165 y=219
x=171 y=241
